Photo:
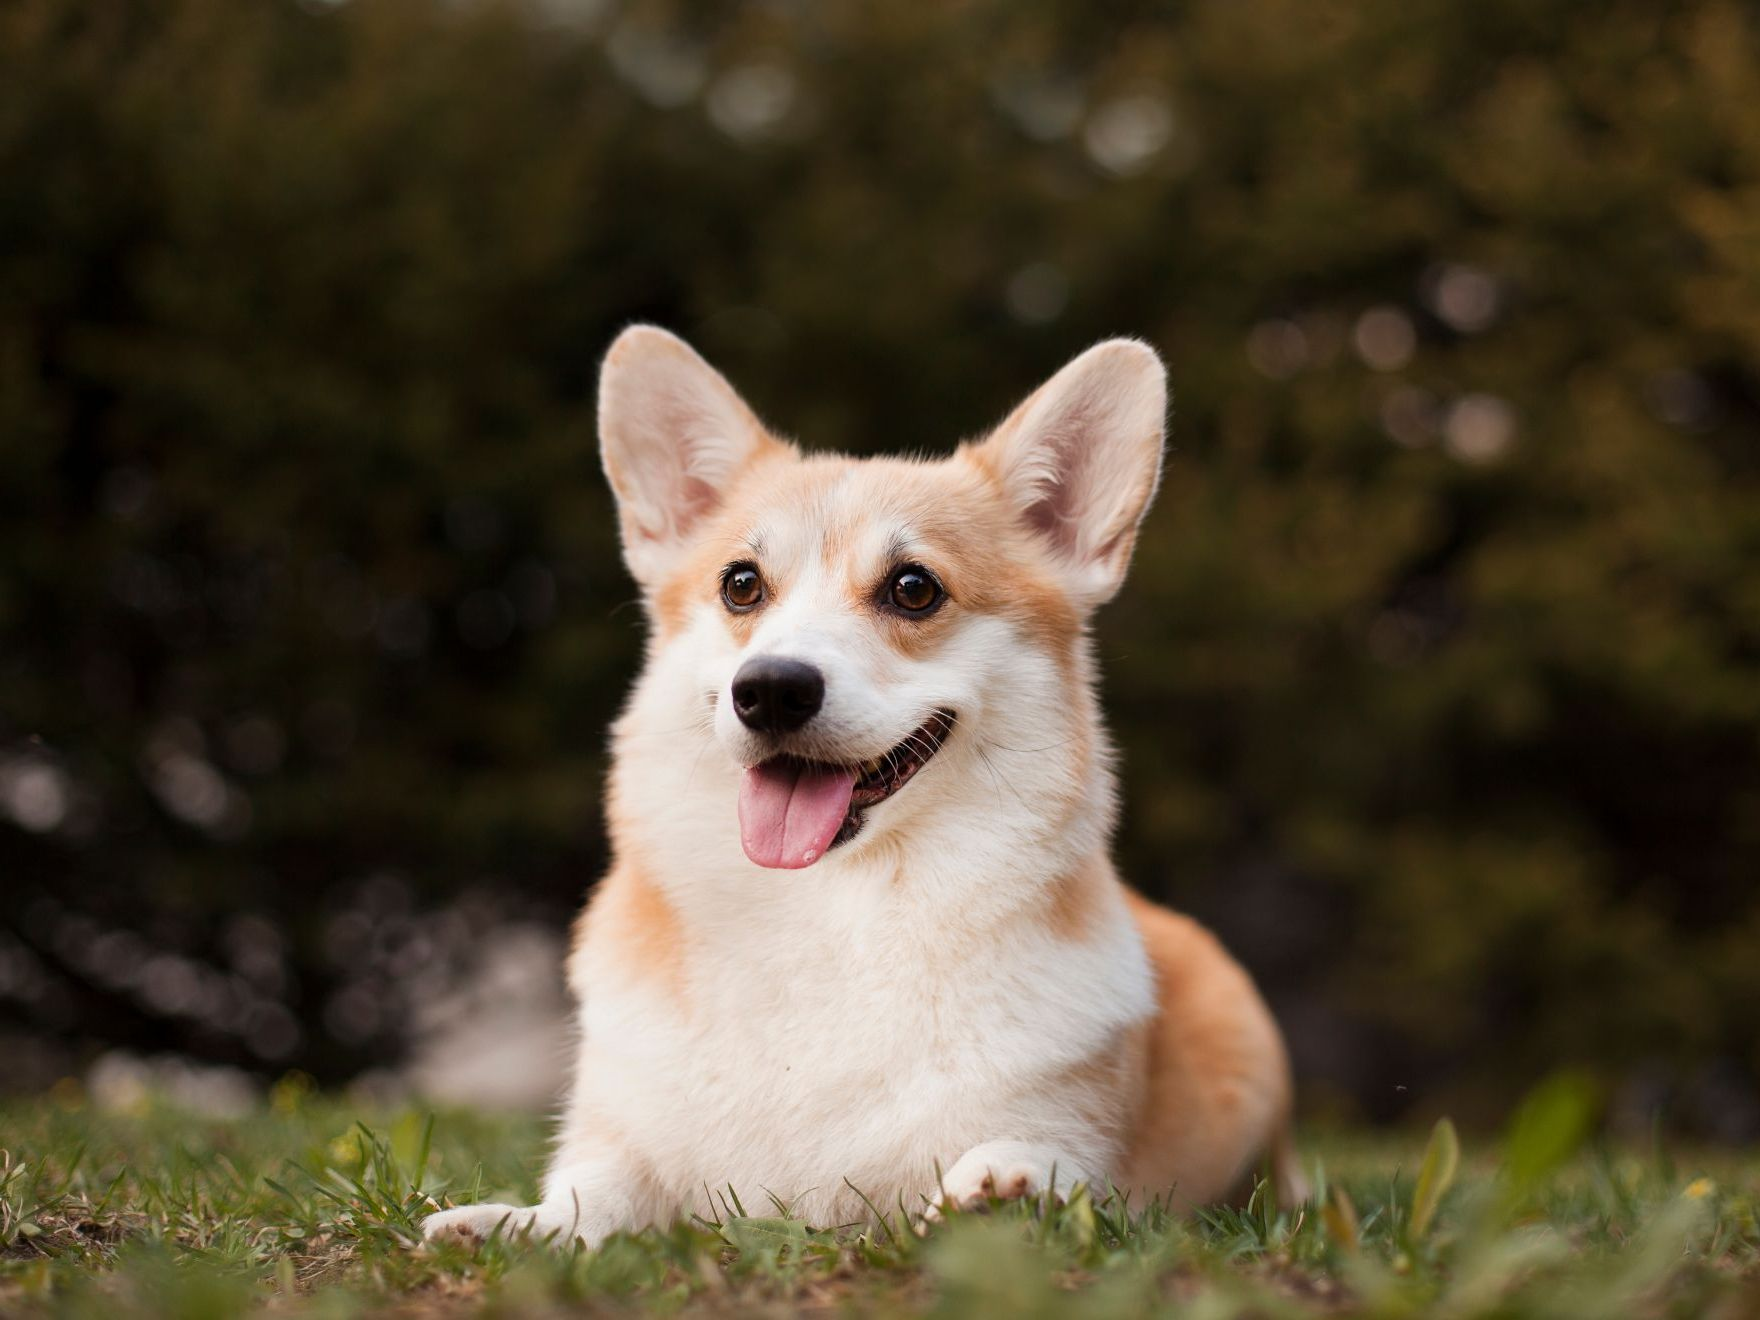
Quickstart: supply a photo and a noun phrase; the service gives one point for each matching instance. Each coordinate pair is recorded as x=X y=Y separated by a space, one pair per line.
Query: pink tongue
x=789 y=815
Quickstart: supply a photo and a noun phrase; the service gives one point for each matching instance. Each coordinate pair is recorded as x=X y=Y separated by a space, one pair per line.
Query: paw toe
x=975 y=1193
x=467 y=1225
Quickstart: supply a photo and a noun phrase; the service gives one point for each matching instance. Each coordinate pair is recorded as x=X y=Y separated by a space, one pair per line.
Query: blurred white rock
x=122 y=1082
x=500 y=1038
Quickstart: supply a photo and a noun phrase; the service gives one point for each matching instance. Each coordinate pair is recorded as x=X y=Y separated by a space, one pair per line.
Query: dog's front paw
x=470 y=1225
x=999 y=1170
x=972 y=1184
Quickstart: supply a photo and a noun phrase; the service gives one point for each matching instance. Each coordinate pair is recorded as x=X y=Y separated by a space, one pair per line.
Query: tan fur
x=629 y=923
x=1214 y=1072
x=1188 y=1093
x=698 y=577
x=970 y=538
x=1076 y=900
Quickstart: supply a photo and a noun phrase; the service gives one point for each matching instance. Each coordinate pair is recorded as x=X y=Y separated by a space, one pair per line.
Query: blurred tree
x=1437 y=676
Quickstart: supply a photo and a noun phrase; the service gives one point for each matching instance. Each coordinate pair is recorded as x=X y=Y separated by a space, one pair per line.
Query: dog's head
x=836 y=630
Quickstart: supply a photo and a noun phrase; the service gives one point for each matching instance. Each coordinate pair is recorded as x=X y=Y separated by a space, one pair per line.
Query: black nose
x=774 y=695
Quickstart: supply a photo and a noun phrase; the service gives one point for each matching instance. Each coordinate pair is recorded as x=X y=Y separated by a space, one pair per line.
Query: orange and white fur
x=937 y=996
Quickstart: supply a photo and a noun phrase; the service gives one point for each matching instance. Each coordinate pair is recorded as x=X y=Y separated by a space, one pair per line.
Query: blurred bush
x=1438 y=677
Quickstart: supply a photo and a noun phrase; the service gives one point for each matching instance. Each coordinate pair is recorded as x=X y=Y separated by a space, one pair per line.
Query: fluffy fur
x=963 y=987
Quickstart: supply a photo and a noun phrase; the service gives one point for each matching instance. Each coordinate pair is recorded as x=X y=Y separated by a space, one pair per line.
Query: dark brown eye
x=913 y=589
x=742 y=588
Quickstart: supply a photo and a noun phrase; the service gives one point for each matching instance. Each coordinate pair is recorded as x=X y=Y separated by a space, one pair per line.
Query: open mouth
x=793 y=811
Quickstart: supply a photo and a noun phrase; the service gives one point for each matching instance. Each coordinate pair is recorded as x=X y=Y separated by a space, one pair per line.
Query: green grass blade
x=1442 y=1160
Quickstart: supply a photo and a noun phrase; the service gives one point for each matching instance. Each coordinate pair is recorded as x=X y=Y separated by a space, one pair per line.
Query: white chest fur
x=861 y=1039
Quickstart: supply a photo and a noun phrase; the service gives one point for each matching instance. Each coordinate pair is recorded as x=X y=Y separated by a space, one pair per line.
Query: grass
x=303 y=1208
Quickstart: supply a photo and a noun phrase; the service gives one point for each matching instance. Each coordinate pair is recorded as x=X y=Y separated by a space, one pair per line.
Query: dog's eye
x=742 y=588
x=913 y=589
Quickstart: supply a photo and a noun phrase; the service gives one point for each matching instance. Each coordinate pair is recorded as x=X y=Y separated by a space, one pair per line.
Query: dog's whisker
x=1031 y=751
x=701 y=753
x=991 y=771
x=985 y=758
x=922 y=746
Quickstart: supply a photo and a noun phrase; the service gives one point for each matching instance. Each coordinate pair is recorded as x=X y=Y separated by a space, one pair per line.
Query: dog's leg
x=586 y=1200
x=1011 y=1170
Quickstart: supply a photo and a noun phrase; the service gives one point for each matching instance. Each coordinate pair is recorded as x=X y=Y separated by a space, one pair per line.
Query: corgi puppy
x=861 y=941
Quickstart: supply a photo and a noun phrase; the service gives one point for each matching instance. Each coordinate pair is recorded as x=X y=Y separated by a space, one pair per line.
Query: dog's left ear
x=1080 y=460
x=673 y=435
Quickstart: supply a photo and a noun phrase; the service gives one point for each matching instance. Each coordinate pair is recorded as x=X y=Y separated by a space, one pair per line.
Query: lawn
x=311 y=1205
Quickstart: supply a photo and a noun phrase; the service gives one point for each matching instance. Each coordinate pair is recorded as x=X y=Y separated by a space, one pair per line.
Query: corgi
x=861 y=943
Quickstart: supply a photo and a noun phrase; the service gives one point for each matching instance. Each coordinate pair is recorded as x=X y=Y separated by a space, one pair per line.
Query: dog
x=861 y=943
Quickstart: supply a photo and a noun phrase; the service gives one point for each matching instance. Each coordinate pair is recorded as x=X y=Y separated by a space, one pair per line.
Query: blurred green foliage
x=1438 y=675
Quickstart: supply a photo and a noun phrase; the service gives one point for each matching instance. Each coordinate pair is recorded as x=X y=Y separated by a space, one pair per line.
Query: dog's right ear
x=672 y=434
x=1080 y=460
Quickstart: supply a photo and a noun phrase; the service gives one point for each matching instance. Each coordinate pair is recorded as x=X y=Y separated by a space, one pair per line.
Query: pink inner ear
x=692 y=499
x=1062 y=482
x=695 y=498
x=1080 y=458
x=1050 y=520
x=673 y=433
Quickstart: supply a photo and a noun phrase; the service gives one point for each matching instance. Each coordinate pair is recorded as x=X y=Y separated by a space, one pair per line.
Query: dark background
x=1438 y=673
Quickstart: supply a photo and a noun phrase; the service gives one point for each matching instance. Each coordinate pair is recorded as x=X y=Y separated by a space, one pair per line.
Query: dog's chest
x=801 y=1057
x=792 y=1094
